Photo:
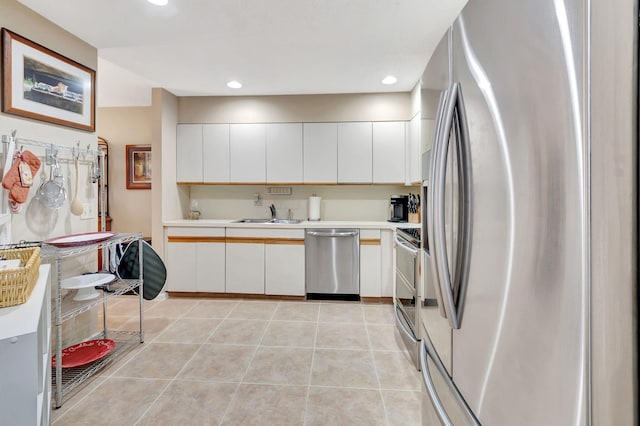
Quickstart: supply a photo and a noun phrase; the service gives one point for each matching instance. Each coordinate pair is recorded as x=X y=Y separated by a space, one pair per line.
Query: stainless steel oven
x=406 y=288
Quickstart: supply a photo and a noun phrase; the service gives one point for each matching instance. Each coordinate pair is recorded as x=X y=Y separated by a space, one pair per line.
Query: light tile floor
x=253 y=362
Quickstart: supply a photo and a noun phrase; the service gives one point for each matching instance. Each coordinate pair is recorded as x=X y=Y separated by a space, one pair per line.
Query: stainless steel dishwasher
x=332 y=263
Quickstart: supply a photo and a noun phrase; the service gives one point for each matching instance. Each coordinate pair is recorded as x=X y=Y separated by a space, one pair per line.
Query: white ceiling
x=276 y=47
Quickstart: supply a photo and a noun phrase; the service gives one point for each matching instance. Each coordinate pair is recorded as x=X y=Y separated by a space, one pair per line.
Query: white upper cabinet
x=389 y=152
x=247 y=153
x=355 y=151
x=320 y=152
x=284 y=153
x=215 y=153
x=189 y=153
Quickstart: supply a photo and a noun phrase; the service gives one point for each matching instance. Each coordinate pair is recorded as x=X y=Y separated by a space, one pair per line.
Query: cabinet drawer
x=194 y=232
x=265 y=233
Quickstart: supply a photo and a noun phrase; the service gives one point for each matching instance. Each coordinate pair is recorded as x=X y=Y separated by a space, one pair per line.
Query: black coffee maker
x=399 y=208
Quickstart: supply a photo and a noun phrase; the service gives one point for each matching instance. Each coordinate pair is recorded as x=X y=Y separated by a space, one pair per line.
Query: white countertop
x=231 y=223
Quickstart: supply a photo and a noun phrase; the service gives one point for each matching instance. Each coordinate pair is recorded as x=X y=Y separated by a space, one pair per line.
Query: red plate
x=85 y=352
x=79 y=239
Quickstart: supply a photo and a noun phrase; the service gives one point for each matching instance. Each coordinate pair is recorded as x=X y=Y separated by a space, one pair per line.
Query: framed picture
x=44 y=85
x=138 y=166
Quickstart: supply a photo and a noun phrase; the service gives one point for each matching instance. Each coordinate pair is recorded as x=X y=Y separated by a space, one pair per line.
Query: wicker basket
x=16 y=284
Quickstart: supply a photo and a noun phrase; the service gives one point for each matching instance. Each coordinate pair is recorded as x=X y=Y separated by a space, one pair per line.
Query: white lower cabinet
x=245 y=267
x=265 y=261
x=25 y=357
x=195 y=260
x=284 y=268
x=370 y=263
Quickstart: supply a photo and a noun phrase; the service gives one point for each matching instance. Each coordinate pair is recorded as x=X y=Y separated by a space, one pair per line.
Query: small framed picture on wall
x=138 y=166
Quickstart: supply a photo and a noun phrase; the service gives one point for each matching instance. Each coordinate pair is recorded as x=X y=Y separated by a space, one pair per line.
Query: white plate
x=88 y=280
x=80 y=239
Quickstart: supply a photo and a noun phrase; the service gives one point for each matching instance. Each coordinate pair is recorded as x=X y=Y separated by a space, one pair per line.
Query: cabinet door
x=210 y=270
x=284 y=153
x=245 y=267
x=355 y=153
x=370 y=263
x=247 y=153
x=388 y=152
x=181 y=266
x=320 y=152
x=215 y=148
x=189 y=153
x=284 y=269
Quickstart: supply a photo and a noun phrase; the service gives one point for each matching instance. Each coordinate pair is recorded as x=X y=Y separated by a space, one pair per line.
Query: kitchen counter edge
x=306 y=224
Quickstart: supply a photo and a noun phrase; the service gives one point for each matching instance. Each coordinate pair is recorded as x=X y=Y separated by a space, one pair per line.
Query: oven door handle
x=407 y=247
x=409 y=333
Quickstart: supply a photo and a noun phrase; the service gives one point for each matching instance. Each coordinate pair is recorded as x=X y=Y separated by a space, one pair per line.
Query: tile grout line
x=375 y=368
x=257 y=346
x=178 y=373
x=313 y=356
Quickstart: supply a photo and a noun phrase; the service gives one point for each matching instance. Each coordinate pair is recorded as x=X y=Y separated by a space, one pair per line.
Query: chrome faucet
x=272 y=207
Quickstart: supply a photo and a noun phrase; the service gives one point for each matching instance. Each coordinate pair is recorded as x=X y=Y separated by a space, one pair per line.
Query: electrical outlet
x=87 y=211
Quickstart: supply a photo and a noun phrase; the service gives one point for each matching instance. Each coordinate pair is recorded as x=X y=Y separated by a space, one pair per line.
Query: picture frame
x=138 y=166
x=41 y=84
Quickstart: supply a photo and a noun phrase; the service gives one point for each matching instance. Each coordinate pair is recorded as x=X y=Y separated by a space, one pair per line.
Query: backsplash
x=339 y=202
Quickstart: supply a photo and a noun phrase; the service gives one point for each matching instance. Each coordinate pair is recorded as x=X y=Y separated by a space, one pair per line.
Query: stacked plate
x=85 y=284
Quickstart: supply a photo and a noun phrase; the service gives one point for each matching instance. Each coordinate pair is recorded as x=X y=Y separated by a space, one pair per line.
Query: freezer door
x=441 y=400
x=521 y=352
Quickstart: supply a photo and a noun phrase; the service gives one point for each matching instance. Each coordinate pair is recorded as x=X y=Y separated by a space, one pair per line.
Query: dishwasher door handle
x=335 y=234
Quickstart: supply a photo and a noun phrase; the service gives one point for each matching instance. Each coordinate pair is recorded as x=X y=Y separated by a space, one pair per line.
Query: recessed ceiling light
x=159 y=2
x=234 y=84
x=389 y=80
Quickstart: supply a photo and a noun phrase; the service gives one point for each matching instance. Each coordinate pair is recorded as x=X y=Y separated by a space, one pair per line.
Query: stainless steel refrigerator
x=528 y=311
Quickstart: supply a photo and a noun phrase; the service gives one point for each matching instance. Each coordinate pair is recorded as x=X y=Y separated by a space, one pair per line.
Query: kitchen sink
x=280 y=221
x=285 y=221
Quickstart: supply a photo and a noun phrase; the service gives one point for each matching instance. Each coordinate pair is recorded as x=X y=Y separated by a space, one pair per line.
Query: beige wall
x=130 y=209
x=295 y=108
x=169 y=200
x=37 y=222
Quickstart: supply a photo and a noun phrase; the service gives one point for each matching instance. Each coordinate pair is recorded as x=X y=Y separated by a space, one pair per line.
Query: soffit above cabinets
x=193 y=48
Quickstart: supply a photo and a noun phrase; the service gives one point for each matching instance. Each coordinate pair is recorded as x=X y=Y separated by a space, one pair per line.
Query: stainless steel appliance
x=399 y=208
x=406 y=289
x=529 y=256
x=332 y=258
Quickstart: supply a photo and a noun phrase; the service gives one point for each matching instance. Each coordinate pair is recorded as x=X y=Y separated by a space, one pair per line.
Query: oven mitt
x=19 y=183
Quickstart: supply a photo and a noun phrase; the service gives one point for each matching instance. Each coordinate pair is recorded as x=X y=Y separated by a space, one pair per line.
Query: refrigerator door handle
x=431 y=389
x=459 y=409
x=439 y=232
x=454 y=303
x=466 y=194
x=430 y=210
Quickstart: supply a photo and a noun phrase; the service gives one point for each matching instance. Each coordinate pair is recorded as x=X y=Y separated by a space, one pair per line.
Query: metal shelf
x=64 y=381
x=71 y=308
x=72 y=378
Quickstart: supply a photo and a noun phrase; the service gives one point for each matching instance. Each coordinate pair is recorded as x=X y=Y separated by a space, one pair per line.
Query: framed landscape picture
x=44 y=85
x=138 y=166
